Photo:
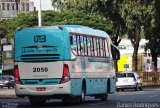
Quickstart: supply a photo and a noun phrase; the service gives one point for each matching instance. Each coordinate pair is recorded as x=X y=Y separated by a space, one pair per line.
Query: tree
x=3 y=32
x=17 y=5
x=125 y=15
x=3 y=28
x=51 y=18
x=107 y=8
x=134 y=12
x=57 y=4
x=152 y=31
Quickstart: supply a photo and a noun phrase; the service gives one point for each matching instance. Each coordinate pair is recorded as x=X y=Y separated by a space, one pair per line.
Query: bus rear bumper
x=43 y=90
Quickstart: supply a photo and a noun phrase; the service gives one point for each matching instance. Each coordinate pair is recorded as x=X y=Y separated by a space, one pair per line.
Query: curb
x=150 y=86
x=9 y=97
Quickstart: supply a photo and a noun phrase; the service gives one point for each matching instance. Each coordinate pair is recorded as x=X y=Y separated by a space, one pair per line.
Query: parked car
x=7 y=81
x=128 y=80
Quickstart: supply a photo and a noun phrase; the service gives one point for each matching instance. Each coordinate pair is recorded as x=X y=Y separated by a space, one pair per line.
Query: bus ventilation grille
x=40 y=57
x=41 y=82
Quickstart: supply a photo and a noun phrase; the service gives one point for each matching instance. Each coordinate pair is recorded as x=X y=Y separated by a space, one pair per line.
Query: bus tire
x=81 y=98
x=83 y=94
x=117 y=89
x=140 y=88
x=104 y=97
x=36 y=101
x=136 y=88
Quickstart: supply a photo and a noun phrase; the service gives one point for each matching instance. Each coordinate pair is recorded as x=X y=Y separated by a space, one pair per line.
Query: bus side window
x=89 y=46
x=92 y=46
x=73 y=43
x=104 y=48
x=85 y=45
x=82 y=49
x=107 y=48
x=96 y=49
x=78 y=45
x=71 y=40
x=101 y=47
x=97 y=45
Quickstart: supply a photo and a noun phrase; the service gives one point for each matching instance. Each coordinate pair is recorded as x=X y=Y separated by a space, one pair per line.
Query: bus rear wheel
x=104 y=97
x=83 y=95
x=36 y=101
x=81 y=98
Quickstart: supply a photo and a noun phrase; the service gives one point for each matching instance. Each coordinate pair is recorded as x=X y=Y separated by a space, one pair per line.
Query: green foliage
x=137 y=11
x=107 y=8
x=3 y=28
x=50 y=18
x=136 y=18
x=152 y=30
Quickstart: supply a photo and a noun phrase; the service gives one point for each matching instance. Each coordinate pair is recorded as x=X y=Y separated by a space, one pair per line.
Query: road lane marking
x=152 y=96
x=140 y=91
x=96 y=104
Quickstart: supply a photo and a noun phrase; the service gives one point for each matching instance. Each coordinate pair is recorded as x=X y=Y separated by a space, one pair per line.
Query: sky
x=45 y=4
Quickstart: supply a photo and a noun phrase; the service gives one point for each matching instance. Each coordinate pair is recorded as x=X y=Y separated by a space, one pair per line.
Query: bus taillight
x=66 y=76
x=16 y=75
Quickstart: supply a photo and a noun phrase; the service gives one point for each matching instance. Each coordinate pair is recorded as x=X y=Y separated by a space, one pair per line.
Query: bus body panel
x=49 y=49
x=40 y=70
x=40 y=56
x=112 y=85
x=96 y=71
x=38 y=45
x=29 y=90
x=76 y=85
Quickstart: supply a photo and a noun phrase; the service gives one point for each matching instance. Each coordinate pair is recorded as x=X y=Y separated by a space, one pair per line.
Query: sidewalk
x=7 y=93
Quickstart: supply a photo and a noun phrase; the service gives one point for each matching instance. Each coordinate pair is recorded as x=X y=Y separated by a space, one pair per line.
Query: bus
x=65 y=62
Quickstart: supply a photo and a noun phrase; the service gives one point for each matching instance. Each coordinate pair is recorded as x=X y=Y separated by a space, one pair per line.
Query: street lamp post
x=39 y=15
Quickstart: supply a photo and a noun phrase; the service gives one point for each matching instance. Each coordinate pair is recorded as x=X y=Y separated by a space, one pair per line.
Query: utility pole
x=39 y=15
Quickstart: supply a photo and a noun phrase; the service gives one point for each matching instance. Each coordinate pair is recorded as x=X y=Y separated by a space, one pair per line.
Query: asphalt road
x=148 y=98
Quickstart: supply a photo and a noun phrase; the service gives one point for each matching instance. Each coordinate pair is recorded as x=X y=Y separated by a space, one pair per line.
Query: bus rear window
x=122 y=75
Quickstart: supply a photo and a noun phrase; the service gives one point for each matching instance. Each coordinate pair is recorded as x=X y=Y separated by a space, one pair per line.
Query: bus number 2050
x=40 y=69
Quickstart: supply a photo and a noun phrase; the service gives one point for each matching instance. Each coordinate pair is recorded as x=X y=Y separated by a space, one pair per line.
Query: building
x=126 y=48
x=8 y=8
x=126 y=51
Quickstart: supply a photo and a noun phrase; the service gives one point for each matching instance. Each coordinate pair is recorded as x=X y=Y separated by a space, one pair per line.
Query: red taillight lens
x=16 y=75
x=16 y=72
x=65 y=76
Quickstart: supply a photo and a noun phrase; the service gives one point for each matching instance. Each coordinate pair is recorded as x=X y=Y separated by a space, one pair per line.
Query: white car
x=128 y=80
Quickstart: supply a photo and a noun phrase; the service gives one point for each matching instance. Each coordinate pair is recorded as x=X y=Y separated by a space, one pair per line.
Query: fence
x=150 y=78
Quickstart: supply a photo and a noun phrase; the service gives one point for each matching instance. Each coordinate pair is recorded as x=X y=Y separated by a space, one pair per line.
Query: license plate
x=125 y=80
x=1 y=84
x=41 y=88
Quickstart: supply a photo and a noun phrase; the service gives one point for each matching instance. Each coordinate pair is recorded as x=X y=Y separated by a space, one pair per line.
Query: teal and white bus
x=65 y=62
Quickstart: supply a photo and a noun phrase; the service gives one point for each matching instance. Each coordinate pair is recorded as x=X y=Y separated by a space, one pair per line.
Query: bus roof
x=85 y=30
x=76 y=29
